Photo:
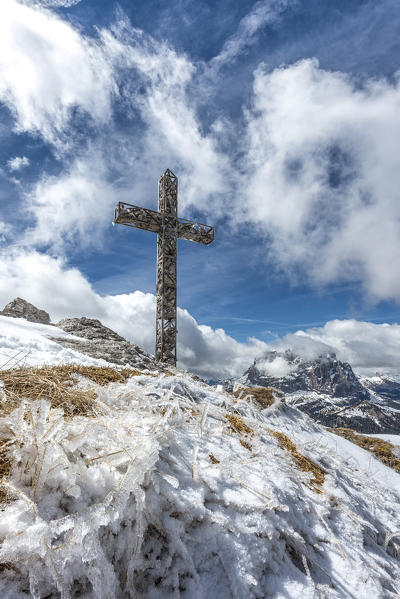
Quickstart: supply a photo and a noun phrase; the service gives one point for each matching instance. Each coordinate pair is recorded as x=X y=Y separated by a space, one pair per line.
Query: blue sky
x=280 y=119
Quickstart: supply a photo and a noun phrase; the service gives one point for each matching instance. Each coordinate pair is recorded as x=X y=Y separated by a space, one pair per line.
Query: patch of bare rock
x=98 y=341
x=20 y=308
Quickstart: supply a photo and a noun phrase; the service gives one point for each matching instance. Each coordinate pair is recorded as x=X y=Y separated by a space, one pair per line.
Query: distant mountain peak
x=327 y=389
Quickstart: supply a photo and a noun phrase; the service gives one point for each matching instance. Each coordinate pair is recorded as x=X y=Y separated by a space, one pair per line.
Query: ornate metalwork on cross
x=169 y=228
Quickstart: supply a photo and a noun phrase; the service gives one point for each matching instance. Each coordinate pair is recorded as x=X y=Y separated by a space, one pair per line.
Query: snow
x=29 y=343
x=129 y=503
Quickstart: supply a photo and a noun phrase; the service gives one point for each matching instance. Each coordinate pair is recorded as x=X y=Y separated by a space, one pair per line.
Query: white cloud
x=278 y=367
x=42 y=56
x=322 y=178
x=18 y=162
x=59 y=3
x=51 y=285
x=73 y=208
x=368 y=347
x=262 y=13
x=48 y=69
x=3 y=230
x=161 y=90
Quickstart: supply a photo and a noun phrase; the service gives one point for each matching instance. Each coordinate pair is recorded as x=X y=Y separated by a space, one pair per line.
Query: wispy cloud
x=59 y=3
x=18 y=162
x=264 y=12
x=49 y=71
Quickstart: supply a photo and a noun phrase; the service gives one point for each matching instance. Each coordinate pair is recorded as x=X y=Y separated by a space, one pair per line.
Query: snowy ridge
x=157 y=495
x=130 y=503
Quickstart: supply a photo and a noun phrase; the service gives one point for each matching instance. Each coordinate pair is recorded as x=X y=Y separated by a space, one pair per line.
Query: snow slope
x=158 y=497
x=28 y=343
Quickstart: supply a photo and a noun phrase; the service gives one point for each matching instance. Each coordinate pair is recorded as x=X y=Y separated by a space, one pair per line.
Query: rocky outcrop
x=20 y=308
x=99 y=341
x=327 y=389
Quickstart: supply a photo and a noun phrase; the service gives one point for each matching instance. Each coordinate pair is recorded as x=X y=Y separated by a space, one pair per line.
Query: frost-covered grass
x=58 y=385
x=158 y=495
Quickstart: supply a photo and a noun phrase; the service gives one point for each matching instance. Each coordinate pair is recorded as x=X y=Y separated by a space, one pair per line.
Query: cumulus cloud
x=322 y=179
x=18 y=162
x=368 y=347
x=278 y=367
x=319 y=181
x=40 y=59
x=50 y=284
x=64 y=292
x=72 y=208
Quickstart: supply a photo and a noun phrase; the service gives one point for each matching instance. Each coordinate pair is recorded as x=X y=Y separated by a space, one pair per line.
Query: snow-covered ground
x=24 y=343
x=157 y=497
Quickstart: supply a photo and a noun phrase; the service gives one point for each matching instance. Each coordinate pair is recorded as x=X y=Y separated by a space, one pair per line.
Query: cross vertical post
x=166 y=269
x=169 y=228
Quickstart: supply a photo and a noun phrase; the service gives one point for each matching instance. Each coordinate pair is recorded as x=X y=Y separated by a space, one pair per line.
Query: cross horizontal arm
x=140 y=218
x=195 y=231
x=150 y=220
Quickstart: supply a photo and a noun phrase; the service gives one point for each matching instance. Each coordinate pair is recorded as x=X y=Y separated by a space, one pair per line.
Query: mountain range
x=328 y=390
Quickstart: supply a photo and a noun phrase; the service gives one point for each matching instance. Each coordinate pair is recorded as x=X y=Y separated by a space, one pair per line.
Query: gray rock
x=101 y=342
x=20 y=308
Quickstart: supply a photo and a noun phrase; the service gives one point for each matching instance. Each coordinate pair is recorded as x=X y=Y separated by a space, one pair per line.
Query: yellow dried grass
x=263 y=396
x=57 y=384
x=5 y=467
x=237 y=424
x=383 y=450
x=304 y=463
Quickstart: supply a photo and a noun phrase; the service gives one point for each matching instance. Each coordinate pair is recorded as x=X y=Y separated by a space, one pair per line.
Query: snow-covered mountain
x=160 y=486
x=329 y=391
x=385 y=387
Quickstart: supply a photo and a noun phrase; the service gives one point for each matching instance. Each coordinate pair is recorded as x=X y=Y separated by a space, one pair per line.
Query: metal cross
x=168 y=227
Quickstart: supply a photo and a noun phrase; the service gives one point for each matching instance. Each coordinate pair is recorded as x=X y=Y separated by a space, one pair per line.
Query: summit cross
x=169 y=228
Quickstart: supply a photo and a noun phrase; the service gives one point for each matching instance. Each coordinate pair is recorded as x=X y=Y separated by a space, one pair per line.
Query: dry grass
x=245 y=444
x=5 y=467
x=57 y=384
x=263 y=396
x=238 y=425
x=383 y=450
x=304 y=463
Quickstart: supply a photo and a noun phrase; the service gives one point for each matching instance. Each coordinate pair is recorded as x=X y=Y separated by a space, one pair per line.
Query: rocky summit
x=327 y=389
x=98 y=341
x=20 y=308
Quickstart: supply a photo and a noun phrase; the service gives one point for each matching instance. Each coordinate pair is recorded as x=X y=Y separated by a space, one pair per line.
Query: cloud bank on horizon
x=319 y=184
